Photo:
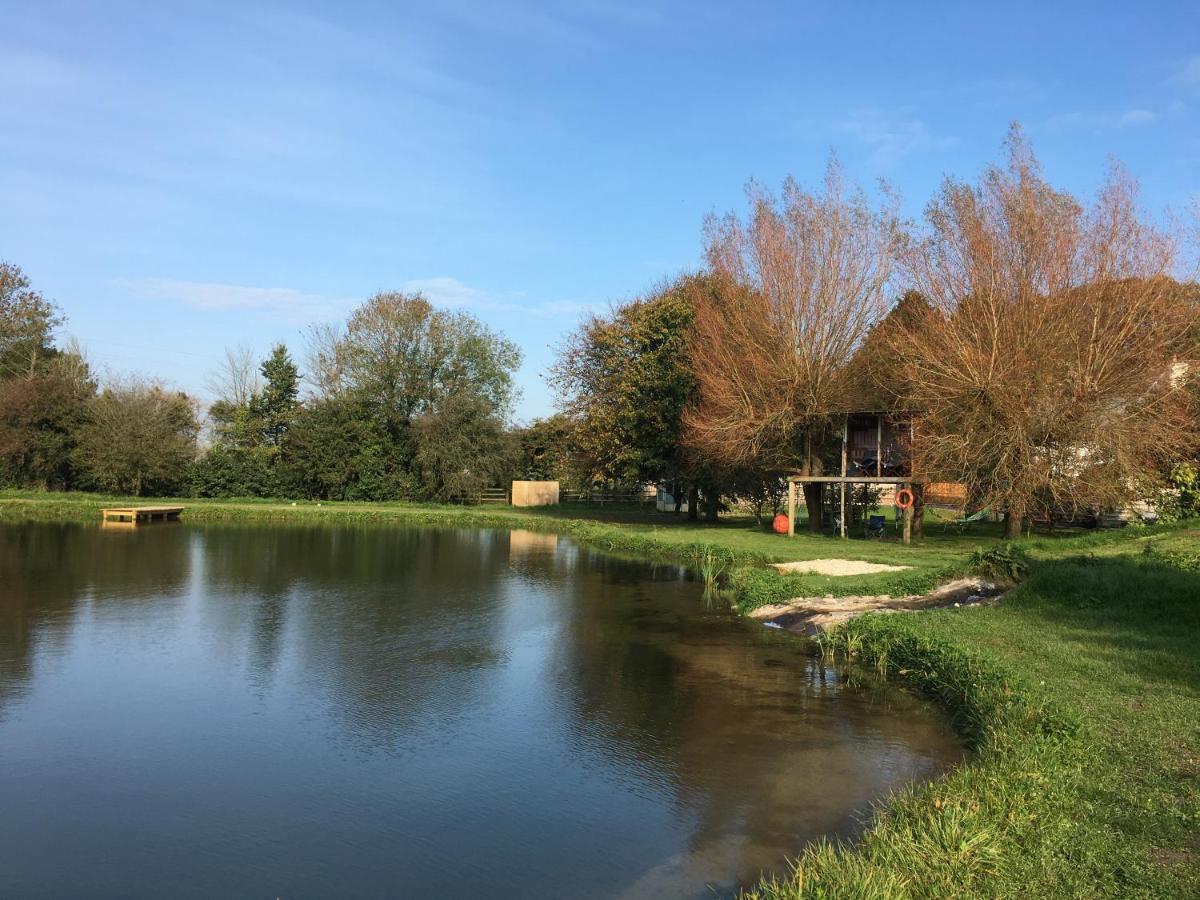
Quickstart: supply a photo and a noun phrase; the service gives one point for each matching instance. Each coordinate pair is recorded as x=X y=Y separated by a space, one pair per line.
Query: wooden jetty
x=135 y=515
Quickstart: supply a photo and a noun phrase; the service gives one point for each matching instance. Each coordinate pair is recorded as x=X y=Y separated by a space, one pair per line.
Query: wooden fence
x=606 y=497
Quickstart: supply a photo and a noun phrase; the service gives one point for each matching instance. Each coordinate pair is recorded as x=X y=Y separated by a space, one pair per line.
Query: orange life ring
x=904 y=498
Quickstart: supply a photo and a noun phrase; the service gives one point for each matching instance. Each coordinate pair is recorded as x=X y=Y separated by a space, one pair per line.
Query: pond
x=261 y=711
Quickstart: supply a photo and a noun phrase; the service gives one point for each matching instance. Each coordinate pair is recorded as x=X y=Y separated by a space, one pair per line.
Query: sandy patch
x=835 y=567
x=812 y=615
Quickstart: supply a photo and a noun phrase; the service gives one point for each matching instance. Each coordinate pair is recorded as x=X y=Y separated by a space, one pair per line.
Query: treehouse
x=874 y=450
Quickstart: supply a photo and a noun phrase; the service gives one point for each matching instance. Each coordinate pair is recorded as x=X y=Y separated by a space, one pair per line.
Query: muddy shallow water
x=308 y=712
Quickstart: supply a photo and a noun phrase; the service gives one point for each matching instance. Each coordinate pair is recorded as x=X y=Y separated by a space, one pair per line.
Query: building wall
x=534 y=493
x=665 y=501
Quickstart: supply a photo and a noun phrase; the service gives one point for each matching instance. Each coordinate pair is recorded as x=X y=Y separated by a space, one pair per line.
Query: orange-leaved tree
x=1053 y=370
x=797 y=285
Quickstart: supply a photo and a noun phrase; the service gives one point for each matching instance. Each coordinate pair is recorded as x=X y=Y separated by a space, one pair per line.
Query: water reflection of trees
x=46 y=570
x=737 y=723
x=385 y=624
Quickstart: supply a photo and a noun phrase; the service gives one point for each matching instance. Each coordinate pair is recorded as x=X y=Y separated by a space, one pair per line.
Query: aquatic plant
x=713 y=562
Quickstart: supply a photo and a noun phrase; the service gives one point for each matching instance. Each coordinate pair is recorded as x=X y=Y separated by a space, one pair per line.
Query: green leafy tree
x=27 y=324
x=228 y=471
x=1181 y=499
x=43 y=391
x=335 y=450
x=764 y=491
x=138 y=438
x=546 y=451
x=399 y=357
x=625 y=379
x=461 y=449
x=399 y=361
x=40 y=417
x=275 y=406
x=249 y=420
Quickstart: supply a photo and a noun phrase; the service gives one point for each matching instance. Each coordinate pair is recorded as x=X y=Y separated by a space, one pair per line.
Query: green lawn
x=1080 y=694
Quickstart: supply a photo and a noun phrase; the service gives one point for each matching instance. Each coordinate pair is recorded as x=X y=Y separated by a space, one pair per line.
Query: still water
x=287 y=712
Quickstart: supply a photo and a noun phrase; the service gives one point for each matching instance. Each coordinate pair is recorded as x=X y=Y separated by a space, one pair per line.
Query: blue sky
x=185 y=177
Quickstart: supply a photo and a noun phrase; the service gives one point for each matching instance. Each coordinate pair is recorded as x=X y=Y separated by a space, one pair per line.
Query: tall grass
x=713 y=563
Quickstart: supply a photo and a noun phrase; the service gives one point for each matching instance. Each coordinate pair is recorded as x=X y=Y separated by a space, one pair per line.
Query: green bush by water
x=1004 y=563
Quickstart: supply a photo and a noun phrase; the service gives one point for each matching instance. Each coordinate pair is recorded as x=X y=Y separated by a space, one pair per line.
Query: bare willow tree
x=1052 y=369
x=801 y=281
x=236 y=380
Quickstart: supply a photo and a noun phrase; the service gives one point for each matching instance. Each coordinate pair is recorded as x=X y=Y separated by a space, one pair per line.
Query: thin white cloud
x=890 y=135
x=1076 y=120
x=1133 y=117
x=450 y=293
x=1189 y=73
x=211 y=295
x=297 y=305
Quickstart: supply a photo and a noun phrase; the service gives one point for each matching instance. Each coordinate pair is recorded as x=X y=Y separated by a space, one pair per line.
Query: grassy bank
x=1080 y=694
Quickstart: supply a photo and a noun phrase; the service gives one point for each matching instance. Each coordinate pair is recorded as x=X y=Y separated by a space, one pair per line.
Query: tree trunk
x=712 y=504
x=693 y=504
x=1014 y=521
x=814 y=494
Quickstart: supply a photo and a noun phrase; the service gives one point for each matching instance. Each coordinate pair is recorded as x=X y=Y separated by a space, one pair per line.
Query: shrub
x=754 y=587
x=1182 y=499
x=1179 y=559
x=1003 y=563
